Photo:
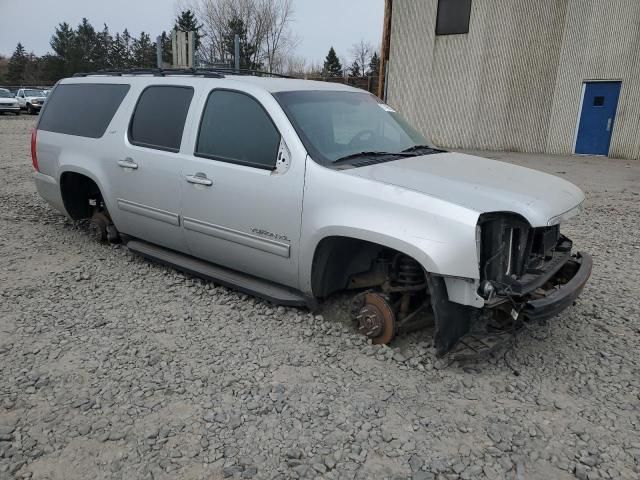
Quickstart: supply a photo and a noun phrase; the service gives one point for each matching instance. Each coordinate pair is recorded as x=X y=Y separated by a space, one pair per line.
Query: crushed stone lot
x=115 y=368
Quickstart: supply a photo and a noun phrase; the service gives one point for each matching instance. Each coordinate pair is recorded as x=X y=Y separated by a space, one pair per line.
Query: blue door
x=597 y=117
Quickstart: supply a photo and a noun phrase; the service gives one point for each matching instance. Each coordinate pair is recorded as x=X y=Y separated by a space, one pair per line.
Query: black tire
x=17 y=113
x=98 y=226
x=29 y=109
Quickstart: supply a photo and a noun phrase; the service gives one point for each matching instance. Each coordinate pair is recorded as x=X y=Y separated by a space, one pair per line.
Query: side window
x=235 y=128
x=82 y=109
x=159 y=117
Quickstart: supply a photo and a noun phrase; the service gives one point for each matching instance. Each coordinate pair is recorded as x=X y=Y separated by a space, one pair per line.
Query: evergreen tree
x=354 y=69
x=247 y=50
x=63 y=43
x=101 y=57
x=86 y=44
x=17 y=65
x=187 y=22
x=374 y=65
x=144 y=51
x=167 y=53
x=332 y=65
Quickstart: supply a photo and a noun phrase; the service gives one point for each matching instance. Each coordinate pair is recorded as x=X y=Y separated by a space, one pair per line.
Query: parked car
x=8 y=103
x=293 y=190
x=31 y=99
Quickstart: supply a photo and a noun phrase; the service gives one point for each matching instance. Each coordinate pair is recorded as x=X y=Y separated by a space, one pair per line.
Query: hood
x=8 y=101
x=480 y=184
x=40 y=99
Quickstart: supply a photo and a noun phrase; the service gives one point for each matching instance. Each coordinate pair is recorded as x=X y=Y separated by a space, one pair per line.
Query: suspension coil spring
x=408 y=271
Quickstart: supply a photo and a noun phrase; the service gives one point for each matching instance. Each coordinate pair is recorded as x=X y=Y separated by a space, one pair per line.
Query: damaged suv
x=294 y=190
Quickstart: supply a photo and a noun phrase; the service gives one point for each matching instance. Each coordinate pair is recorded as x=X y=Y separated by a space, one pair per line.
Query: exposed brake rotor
x=374 y=318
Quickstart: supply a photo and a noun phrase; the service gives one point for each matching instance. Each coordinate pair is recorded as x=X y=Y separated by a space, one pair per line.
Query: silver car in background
x=294 y=190
x=8 y=102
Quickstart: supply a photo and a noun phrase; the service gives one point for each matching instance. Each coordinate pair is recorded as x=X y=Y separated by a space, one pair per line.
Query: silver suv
x=294 y=190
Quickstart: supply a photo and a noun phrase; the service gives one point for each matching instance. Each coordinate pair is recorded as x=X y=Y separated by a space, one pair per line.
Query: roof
x=269 y=82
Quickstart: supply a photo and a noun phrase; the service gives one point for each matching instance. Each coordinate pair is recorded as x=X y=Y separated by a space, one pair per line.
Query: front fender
x=441 y=236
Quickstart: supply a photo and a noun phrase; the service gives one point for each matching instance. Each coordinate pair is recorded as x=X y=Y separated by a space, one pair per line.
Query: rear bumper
x=565 y=286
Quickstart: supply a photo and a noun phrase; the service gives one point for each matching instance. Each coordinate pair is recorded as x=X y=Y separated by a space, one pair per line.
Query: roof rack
x=162 y=72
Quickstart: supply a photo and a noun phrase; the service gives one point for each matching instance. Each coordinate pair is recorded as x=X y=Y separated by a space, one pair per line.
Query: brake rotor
x=376 y=319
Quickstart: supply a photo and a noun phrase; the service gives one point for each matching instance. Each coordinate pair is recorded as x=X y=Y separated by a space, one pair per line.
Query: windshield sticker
x=386 y=108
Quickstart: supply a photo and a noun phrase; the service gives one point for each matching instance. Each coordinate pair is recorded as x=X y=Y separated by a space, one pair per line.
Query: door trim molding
x=149 y=212
x=246 y=239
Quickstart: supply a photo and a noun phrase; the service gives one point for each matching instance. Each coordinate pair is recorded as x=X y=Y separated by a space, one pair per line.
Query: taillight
x=34 y=155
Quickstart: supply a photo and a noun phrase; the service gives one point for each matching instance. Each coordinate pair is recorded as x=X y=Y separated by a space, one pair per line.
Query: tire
x=17 y=114
x=30 y=110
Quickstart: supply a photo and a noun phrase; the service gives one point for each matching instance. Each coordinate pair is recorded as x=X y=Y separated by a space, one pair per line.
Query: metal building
x=553 y=76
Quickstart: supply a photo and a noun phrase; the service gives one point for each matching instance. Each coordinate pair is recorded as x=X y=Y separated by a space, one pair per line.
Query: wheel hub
x=374 y=318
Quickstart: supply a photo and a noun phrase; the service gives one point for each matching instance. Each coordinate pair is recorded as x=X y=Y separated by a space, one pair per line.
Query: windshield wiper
x=372 y=154
x=417 y=148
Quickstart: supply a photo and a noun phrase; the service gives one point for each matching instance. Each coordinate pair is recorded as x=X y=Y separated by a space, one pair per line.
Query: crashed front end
x=527 y=274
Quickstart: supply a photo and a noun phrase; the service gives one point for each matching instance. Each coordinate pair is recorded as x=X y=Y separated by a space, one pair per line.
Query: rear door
x=242 y=187
x=145 y=169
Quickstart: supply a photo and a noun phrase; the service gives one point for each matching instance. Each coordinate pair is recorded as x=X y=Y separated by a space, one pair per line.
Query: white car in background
x=31 y=99
x=8 y=103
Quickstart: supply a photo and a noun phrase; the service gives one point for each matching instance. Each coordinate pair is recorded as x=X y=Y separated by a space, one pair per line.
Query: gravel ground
x=114 y=368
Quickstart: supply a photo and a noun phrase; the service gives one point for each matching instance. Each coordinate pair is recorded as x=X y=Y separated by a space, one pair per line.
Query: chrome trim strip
x=149 y=212
x=235 y=236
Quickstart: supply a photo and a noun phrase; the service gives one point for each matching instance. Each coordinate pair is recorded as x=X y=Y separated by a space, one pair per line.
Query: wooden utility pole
x=386 y=44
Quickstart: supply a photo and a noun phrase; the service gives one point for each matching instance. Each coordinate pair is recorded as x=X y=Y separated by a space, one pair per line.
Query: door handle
x=199 y=179
x=609 y=124
x=128 y=163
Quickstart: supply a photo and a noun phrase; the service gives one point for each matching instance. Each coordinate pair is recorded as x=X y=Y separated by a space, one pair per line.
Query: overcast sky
x=319 y=23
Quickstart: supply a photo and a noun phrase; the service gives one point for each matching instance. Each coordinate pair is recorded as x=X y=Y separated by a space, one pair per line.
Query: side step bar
x=223 y=276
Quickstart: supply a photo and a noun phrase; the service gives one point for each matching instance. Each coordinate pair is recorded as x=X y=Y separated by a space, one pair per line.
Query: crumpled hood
x=479 y=184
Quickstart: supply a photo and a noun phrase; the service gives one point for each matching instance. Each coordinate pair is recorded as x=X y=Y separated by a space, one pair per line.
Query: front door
x=242 y=188
x=599 y=105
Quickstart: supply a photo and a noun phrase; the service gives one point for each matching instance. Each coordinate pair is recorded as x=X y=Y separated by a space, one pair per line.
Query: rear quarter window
x=82 y=109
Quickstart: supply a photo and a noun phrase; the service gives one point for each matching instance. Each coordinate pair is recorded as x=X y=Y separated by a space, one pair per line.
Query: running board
x=223 y=276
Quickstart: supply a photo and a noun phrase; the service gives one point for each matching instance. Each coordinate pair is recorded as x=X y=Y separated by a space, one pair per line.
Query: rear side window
x=235 y=128
x=158 y=120
x=82 y=109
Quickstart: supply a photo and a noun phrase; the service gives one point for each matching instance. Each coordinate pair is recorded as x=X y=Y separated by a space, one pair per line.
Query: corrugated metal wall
x=514 y=81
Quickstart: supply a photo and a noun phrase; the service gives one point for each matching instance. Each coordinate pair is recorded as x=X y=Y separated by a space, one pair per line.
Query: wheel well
x=337 y=259
x=77 y=192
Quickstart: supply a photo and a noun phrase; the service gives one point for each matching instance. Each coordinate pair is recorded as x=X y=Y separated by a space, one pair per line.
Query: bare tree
x=267 y=24
x=361 y=53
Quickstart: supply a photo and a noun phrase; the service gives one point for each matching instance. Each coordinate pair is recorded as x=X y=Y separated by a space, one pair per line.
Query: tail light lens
x=34 y=155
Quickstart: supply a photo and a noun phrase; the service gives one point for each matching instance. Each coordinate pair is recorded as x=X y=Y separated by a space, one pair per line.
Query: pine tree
x=247 y=50
x=374 y=65
x=144 y=51
x=86 y=44
x=354 y=69
x=332 y=65
x=17 y=65
x=101 y=57
x=187 y=22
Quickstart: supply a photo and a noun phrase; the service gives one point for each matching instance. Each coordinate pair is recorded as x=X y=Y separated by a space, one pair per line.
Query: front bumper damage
x=543 y=296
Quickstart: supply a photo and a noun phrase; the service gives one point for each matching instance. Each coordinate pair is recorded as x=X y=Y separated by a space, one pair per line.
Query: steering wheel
x=362 y=138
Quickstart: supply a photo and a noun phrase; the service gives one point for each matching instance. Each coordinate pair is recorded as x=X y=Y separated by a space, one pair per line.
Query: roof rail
x=213 y=72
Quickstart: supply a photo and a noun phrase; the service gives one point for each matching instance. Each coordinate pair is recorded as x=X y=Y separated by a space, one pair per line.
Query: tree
x=143 y=51
x=17 y=65
x=186 y=22
x=235 y=27
x=354 y=69
x=86 y=43
x=267 y=23
x=332 y=65
x=374 y=65
x=361 y=53
x=63 y=43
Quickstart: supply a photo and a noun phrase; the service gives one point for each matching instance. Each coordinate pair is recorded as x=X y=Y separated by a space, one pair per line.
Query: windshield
x=5 y=94
x=33 y=93
x=334 y=125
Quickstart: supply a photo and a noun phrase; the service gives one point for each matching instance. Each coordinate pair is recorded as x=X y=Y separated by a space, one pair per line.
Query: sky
x=319 y=24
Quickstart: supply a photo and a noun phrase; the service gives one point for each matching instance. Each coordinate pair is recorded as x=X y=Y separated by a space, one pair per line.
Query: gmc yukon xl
x=293 y=190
